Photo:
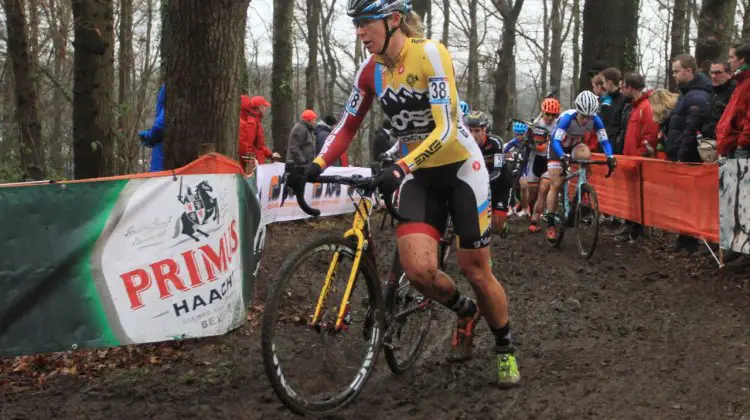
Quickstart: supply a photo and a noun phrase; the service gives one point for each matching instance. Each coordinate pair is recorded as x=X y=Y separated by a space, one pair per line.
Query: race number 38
x=354 y=101
x=439 y=90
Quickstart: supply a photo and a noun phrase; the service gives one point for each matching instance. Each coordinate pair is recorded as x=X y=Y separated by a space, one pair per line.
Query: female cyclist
x=442 y=168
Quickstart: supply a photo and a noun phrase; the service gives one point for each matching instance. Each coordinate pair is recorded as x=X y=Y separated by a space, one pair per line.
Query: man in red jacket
x=642 y=131
x=252 y=139
x=733 y=130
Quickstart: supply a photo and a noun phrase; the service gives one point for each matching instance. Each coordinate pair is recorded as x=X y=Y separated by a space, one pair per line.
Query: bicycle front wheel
x=587 y=221
x=313 y=366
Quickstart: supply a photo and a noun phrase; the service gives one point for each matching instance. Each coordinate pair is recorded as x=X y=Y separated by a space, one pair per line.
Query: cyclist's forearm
x=606 y=146
x=511 y=144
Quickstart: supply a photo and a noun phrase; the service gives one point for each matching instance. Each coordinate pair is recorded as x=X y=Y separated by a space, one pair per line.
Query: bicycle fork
x=356 y=231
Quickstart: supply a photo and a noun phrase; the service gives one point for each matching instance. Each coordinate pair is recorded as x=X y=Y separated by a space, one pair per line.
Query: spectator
x=640 y=135
x=723 y=86
x=642 y=132
x=613 y=125
x=252 y=139
x=605 y=99
x=154 y=137
x=662 y=103
x=382 y=141
x=322 y=130
x=301 y=148
x=733 y=129
x=685 y=122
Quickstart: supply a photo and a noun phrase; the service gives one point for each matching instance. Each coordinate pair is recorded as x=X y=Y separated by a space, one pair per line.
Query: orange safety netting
x=676 y=197
x=212 y=163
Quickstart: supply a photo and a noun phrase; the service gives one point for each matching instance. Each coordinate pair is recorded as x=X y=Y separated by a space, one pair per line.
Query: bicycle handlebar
x=591 y=162
x=295 y=179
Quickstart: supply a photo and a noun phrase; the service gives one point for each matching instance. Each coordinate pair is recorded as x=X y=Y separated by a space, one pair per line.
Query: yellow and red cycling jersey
x=418 y=95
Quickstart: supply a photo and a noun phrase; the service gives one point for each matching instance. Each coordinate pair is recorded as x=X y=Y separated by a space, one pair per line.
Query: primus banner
x=734 y=205
x=116 y=262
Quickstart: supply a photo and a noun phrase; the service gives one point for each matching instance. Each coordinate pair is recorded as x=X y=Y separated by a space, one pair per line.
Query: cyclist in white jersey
x=567 y=139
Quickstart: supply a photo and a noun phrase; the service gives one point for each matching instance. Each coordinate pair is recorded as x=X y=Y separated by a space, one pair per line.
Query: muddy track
x=636 y=332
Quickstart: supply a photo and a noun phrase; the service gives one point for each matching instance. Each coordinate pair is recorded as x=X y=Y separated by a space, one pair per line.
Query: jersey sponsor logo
x=476 y=165
x=354 y=101
x=434 y=148
x=602 y=133
x=418 y=40
x=409 y=111
x=411 y=79
x=559 y=134
x=439 y=90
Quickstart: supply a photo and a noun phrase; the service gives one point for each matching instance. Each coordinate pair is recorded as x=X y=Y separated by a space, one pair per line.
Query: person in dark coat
x=615 y=124
x=322 y=131
x=687 y=118
x=721 y=78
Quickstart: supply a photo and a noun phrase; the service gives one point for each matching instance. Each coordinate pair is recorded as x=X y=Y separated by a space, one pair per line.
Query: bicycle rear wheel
x=587 y=221
x=316 y=368
x=410 y=313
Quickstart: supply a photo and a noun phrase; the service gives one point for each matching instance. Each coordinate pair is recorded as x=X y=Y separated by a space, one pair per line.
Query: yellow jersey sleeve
x=437 y=68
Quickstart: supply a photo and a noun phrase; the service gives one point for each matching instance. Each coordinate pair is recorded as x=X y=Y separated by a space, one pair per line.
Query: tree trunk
x=282 y=96
x=311 y=73
x=34 y=52
x=446 y=22
x=545 y=49
x=93 y=139
x=124 y=72
x=577 y=87
x=163 y=38
x=472 y=94
x=60 y=20
x=203 y=78
x=509 y=10
x=26 y=98
x=679 y=14
x=715 y=27
x=612 y=41
x=746 y=21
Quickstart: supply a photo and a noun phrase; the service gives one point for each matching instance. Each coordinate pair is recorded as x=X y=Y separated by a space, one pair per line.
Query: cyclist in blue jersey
x=567 y=140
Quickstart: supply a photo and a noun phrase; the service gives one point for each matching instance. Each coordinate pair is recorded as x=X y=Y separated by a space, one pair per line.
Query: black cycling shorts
x=461 y=190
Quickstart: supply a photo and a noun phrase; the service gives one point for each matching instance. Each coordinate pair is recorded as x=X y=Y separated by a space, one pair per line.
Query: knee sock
x=463 y=306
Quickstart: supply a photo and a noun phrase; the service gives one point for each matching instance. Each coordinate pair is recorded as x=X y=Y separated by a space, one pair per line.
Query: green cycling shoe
x=508 y=375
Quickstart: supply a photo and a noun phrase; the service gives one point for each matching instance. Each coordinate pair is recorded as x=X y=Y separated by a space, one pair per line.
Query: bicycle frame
x=361 y=231
x=582 y=179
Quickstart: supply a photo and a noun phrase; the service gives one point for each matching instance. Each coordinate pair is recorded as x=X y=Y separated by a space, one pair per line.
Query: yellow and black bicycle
x=326 y=317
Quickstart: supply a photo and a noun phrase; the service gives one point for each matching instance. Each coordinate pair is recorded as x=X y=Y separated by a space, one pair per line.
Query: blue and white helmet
x=376 y=9
x=587 y=103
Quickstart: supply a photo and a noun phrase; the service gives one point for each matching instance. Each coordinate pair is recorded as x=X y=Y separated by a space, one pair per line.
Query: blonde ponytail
x=411 y=25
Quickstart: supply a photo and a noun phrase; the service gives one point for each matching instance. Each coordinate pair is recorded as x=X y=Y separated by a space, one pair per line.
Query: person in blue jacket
x=154 y=137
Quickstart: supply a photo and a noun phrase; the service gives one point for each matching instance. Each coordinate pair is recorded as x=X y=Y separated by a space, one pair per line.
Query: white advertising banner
x=330 y=199
x=734 y=205
x=171 y=260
